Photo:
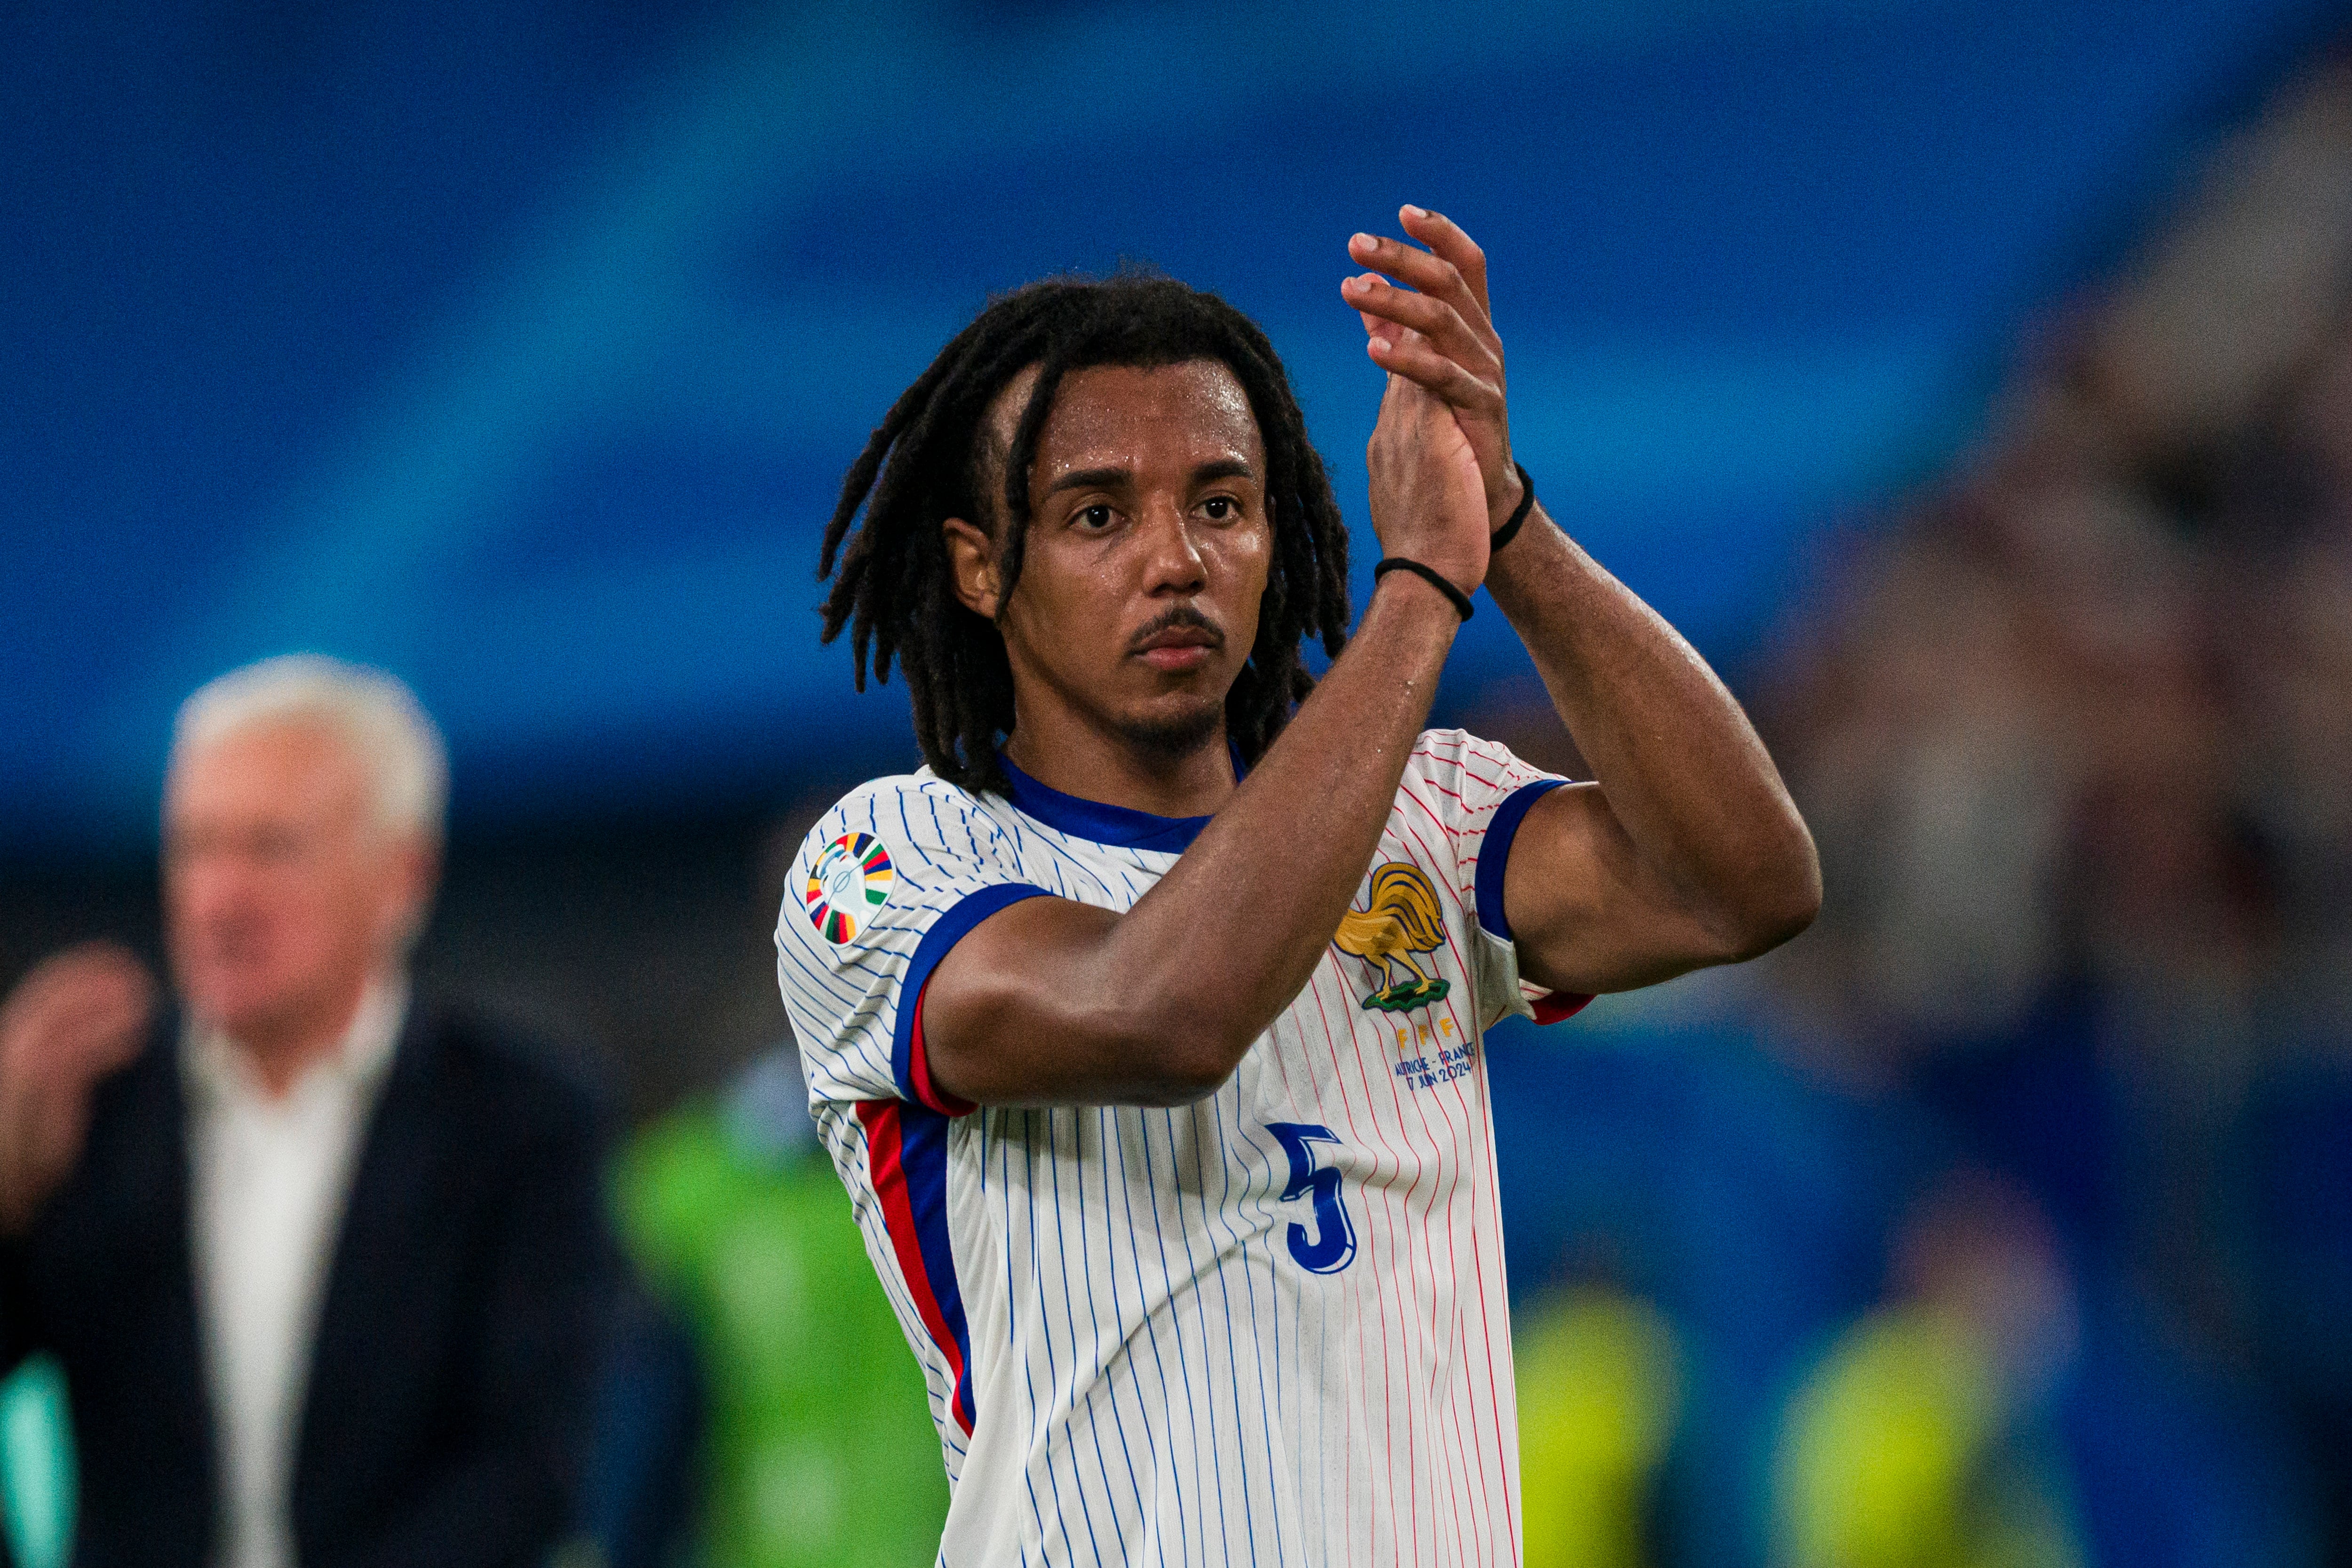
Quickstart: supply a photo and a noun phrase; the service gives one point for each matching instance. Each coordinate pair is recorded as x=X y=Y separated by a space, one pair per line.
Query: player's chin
x=1175 y=724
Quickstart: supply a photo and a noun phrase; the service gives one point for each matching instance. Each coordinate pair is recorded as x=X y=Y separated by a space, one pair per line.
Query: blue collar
x=1115 y=824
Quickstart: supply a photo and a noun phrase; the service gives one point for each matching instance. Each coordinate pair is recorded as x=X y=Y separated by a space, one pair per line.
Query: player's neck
x=1112 y=770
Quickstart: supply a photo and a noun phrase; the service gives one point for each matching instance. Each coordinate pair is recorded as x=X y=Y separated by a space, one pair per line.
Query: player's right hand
x=1429 y=502
x=79 y=1015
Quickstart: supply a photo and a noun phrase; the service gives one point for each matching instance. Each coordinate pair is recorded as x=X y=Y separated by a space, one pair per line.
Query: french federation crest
x=848 y=885
x=1399 y=919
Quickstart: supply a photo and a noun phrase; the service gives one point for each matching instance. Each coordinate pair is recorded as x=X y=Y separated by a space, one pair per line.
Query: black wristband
x=1438 y=579
x=1510 y=530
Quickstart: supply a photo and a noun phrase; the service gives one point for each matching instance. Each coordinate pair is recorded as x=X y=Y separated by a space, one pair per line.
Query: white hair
x=387 y=729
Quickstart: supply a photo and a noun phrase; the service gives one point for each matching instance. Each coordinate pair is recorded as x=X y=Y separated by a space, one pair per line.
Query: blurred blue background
x=1972 y=383
x=519 y=348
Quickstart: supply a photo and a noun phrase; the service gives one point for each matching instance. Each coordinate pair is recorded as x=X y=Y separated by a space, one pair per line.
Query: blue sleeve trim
x=949 y=928
x=1495 y=853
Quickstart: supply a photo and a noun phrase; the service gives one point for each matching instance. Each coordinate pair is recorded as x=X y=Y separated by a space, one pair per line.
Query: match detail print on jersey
x=850 y=880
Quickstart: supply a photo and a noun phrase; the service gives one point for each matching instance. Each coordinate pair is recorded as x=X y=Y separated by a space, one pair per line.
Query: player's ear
x=971 y=566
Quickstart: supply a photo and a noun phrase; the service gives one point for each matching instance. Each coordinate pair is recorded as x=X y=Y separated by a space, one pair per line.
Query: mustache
x=1170 y=619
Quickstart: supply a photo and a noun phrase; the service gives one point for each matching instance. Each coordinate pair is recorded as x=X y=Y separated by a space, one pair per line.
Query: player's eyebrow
x=1092 y=480
x=1112 y=478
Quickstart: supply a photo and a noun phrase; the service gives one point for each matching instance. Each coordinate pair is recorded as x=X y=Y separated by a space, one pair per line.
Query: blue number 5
x=1333 y=1246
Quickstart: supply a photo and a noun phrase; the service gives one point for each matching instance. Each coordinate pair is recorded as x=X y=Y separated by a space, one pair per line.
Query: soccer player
x=1143 y=1023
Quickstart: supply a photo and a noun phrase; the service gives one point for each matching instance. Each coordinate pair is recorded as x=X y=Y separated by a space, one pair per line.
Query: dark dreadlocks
x=924 y=465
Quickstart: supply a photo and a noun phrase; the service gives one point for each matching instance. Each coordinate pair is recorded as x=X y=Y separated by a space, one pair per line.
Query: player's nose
x=1173 y=560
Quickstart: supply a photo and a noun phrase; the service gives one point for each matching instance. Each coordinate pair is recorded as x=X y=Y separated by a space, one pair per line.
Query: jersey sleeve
x=1488 y=790
x=883 y=888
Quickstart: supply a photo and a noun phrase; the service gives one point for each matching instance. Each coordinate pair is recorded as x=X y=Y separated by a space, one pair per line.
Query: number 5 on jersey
x=1333 y=1246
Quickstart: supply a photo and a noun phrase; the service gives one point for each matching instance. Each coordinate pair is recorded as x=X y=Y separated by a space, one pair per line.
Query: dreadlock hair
x=925 y=463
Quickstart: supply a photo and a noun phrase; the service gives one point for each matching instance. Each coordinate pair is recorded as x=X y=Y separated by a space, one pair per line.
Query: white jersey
x=1268 y=1327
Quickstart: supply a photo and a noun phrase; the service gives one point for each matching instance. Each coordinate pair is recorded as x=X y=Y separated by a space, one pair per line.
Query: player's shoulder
x=910 y=823
x=1461 y=767
x=892 y=789
x=914 y=809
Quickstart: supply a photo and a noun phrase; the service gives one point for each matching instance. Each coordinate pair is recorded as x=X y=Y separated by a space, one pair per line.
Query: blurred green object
x=1903 y=1449
x=821 y=1447
x=37 y=1464
x=1599 y=1386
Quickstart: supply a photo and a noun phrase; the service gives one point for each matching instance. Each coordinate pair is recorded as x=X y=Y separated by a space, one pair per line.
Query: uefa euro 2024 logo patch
x=848 y=885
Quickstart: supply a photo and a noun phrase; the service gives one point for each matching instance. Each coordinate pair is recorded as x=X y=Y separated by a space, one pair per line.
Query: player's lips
x=1176 y=645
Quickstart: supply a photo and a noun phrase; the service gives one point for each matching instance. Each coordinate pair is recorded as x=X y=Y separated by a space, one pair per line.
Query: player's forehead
x=1140 y=418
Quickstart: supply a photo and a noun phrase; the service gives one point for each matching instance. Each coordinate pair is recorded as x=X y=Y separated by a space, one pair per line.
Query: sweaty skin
x=1070 y=1004
x=1125 y=687
x=1685 y=850
x=1135 y=609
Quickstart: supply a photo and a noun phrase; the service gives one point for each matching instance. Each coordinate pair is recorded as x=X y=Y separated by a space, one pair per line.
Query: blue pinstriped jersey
x=1268 y=1327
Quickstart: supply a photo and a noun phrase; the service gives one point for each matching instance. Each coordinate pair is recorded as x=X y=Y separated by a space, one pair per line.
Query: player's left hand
x=1437 y=332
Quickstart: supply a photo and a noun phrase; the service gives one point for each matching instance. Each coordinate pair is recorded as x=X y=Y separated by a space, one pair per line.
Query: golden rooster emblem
x=1399 y=920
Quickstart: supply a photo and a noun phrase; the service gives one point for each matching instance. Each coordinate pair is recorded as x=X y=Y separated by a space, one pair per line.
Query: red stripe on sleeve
x=918 y=1067
x=889 y=1175
x=1559 y=1005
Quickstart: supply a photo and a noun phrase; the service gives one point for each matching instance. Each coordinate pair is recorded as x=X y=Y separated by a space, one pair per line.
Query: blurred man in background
x=325 y=1271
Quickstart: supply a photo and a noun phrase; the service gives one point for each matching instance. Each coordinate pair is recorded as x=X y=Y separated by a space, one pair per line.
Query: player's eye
x=1220 y=509
x=1095 y=518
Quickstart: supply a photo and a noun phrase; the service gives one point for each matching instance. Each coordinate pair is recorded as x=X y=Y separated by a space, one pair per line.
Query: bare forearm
x=1682 y=771
x=1159 y=1004
x=1287 y=851
x=1688 y=851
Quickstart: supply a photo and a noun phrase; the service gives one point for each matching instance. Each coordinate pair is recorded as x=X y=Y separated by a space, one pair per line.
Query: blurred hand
x=1438 y=333
x=79 y=1015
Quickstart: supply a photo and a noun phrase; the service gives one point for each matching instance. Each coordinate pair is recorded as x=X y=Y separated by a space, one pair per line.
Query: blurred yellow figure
x=1893 y=1457
x=1913 y=1443
x=1599 y=1394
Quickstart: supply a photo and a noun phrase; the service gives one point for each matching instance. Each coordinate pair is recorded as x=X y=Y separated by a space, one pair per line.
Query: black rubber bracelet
x=1510 y=530
x=1436 y=578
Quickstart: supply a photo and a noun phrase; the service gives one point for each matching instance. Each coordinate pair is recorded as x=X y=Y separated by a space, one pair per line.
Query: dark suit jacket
x=447 y=1406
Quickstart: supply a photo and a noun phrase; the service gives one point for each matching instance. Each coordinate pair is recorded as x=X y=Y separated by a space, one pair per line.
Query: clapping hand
x=1437 y=332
